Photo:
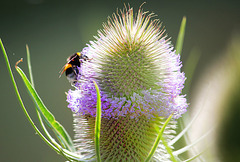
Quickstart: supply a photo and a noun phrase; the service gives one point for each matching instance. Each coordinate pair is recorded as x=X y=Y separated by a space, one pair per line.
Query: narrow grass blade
x=180 y=38
x=189 y=68
x=38 y=114
x=57 y=128
x=98 y=123
x=68 y=155
x=158 y=139
x=21 y=102
x=56 y=147
x=29 y=65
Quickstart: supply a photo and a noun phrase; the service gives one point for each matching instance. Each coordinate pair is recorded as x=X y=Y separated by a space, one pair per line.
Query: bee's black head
x=84 y=57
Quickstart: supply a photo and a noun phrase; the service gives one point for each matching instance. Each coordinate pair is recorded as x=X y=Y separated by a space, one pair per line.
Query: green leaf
x=158 y=139
x=56 y=127
x=98 y=123
x=180 y=38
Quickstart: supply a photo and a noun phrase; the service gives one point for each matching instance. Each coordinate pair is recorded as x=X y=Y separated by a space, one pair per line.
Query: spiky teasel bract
x=139 y=76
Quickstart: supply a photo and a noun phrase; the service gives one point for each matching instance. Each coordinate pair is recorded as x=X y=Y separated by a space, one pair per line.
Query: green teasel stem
x=158 y=139
x=98 y=123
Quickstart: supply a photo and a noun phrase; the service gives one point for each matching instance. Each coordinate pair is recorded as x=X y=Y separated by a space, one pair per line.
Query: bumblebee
x=71 y=67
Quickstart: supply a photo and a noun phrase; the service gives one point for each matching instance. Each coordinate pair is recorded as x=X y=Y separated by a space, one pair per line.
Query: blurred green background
x=55 y=29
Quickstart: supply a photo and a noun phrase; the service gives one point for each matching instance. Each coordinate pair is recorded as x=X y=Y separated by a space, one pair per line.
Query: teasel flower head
x=140 y=81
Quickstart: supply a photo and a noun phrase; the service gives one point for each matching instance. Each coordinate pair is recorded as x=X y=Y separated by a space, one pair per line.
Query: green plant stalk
x=181 y=34
x=158 y=139
x=98 y=123
x=190 y=68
